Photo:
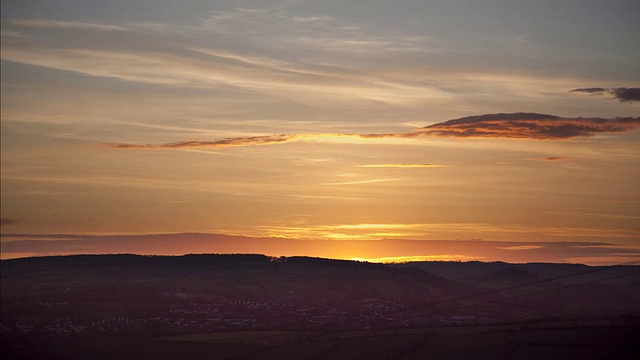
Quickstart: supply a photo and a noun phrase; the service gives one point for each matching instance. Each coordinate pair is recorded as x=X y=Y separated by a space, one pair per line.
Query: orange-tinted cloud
x=546 y=158
x=247 y=141
x=521 y=247
x=228 y=142
x=514 y=126
x=553 y=158
x=529 y=126
x=409 y=166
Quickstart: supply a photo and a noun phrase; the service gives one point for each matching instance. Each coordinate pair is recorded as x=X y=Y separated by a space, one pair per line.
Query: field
x=481 y=342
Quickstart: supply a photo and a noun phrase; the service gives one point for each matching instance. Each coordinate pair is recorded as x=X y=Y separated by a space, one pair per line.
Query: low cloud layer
x=621 y=93
x=394 y=249
x=513 y=126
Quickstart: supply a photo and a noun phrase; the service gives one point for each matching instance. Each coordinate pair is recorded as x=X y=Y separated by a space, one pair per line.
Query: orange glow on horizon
x=411 y=258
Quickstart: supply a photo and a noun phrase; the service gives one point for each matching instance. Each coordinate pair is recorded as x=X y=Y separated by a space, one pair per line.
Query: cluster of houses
x=234 y=315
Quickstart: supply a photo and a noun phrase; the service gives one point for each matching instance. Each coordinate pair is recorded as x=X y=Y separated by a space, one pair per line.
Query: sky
x=364 y=129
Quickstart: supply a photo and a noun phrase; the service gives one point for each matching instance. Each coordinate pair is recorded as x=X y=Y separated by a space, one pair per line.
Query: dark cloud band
x=514 y=126
x=529 y=126
x=7 y=221
x=621 y=93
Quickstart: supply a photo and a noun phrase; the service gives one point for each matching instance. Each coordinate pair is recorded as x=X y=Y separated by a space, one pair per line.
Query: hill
x=48 y=302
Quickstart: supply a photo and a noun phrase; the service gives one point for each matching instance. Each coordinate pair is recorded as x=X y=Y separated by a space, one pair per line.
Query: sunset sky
x=322 y=128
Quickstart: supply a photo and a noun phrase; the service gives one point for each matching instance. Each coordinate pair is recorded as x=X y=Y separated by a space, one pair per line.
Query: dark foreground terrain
x=258 y=307
x=505 y=342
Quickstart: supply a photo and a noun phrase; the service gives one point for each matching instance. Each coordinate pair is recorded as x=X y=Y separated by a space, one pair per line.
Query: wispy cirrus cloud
x=360 y=182
x=315 y=33
x=521 y=247
x=228 y=142
x=623 y=94
x=511 y=126
x=417 y=230
x=72 y=25
x=249 y=55
x=230 y=71
x=403 y=166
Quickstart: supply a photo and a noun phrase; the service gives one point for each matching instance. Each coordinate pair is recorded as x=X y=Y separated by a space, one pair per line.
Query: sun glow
x=365 y=231
x=403 y=259
x=311 y=130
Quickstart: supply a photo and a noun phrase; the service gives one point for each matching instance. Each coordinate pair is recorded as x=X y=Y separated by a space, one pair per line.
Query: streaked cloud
x=623 y=94
x=7 y=221
x=326 y=33
x=282 y=61
x=184 y=70
x=360 y=182
x=373 y=226
x=529 y=126
x=514 y=126
x=248 y=141
x=407 y=166
x=228 y=142
x=521 y=247
x=553 y=158
x=368 y=231
x=550 y=158
x=72 y=25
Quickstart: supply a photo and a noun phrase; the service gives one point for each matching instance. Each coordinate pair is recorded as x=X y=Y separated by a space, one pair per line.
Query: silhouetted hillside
x=606 y=289
x=233 y=276
x=49 y=302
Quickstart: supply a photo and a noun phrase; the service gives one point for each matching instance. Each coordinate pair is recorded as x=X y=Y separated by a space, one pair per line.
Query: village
x=234 y=315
